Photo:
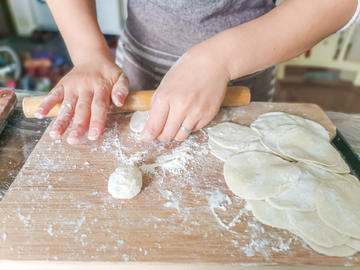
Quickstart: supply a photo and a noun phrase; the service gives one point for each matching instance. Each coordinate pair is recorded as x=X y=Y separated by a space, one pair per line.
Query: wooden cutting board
x=59 y=213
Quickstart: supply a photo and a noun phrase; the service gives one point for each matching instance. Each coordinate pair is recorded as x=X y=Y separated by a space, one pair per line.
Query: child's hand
x=189 y=95
x=85 y=95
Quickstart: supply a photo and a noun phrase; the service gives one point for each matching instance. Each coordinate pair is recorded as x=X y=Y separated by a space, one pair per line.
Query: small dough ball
x=138 y=120
x=125 y=182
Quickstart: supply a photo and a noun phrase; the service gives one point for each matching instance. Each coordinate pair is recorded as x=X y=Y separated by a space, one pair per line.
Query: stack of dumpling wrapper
x=293 y=179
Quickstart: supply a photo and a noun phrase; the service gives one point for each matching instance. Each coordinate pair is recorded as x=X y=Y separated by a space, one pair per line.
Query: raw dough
x=354 y=243
x=138 y=120
x=271 y=121
x=300 y=197
x=258 y=176
x=269 y=215
x=221 y=153
x=257 y=146
x=125 y=182
x=271 y=138
x=338 y=205
x=351 y=179
x=313 y=228
x=302 y=145
x=340 y=251
x=312 y=126
x=342 y=167
x=233 y=136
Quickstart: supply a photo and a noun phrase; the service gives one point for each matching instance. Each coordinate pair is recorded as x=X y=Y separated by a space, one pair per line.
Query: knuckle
x=152 y=130
x=211 y=112
x=97 y=123
x=102 y=84
x=124 y=79
x=180 y=138
x=80 y=128
x=165 y=138
x=83 y=106
x=100 y=105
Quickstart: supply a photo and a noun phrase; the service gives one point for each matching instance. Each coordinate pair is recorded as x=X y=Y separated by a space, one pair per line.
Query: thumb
x=120 y=90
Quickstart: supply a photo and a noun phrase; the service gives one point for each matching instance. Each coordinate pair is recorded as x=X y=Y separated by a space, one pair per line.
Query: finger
x=189 y=123
x=81 y=118
x=55 y=96
x=65 y=115
x=172 y=125
x=156 y=122
x=202 y=123
x=120 y=90
x=63 y=119
x=99 y=106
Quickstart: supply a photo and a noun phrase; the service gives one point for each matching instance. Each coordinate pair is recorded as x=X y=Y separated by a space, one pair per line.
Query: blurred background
x=33 y=56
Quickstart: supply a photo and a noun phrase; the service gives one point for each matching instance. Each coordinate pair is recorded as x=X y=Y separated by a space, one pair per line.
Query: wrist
x=90 y=53
x=208 y=55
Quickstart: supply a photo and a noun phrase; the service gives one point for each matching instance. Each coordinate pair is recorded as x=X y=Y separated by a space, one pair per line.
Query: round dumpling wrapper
x=258 y=175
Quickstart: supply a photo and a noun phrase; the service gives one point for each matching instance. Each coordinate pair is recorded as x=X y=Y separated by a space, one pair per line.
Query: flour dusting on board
x=184 y=196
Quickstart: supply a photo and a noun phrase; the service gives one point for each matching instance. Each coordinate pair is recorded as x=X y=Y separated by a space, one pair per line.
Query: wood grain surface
x=58 y=209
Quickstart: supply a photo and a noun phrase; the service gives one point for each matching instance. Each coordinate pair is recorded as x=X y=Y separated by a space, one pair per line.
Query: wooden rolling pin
x=139 y=101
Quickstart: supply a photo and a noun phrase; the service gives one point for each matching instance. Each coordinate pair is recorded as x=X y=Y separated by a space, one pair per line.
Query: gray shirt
x=174 y=26
x=158 y=32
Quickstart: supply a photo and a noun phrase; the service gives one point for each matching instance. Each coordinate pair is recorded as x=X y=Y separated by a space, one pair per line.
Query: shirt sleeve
x=354 y=19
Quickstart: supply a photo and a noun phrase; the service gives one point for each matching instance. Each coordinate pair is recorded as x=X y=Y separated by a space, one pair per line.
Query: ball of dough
x=125 y=182
x=138 y=120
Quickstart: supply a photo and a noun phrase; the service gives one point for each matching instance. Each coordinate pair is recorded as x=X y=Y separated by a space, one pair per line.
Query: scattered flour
x=49 y=230
x=174 y=163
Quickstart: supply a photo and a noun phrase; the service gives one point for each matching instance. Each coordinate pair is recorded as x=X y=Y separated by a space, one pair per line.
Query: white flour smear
x=181 y=196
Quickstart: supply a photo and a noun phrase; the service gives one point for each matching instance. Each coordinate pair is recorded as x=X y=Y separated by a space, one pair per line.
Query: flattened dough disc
x=302 y=196
x=269 y=215
x=221 y=153
x=313 y=228
x=354 y=243
x=339 y=251
x=270 y=140
x=234 y=136
x=342 y=167
x=302 y=145
x=258 y=176
x=338 y=205
x=271 y=121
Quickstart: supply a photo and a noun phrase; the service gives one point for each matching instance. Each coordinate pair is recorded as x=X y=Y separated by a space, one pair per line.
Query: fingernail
x=117 y=98
x=38 y=113
x=146 y=136
x=73 y=137
x=93 y=134
x=55 y=132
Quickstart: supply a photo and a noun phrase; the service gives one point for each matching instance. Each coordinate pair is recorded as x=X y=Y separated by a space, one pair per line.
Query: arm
x=282 y=34
x=86 y=90
x=191 y=92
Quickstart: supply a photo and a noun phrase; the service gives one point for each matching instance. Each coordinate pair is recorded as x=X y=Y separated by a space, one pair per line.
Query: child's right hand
x=85 y=94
